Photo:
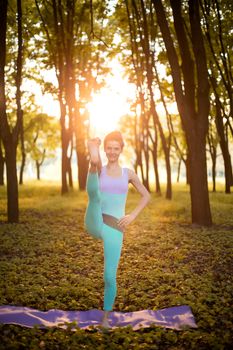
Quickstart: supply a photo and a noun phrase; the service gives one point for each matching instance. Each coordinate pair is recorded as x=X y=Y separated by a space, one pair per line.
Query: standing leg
x=112 y=239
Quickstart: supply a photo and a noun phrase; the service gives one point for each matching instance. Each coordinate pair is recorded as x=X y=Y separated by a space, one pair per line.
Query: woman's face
x=113 y=150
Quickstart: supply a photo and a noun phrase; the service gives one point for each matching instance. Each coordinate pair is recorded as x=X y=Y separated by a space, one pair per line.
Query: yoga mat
x=176 y=317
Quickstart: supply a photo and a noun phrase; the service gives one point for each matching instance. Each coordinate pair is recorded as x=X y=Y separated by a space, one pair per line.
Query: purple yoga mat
x=176 y=317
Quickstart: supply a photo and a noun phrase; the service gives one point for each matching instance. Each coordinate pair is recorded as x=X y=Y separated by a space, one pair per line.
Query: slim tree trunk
x=212 y=141
x=178 y=170
x=140 y=163
x=12 y=183
x=154 y=151
x=37 y=170
x=23 y=153
x=64 y=144
x=39 y=163
x=70 y=177
x=223 y=143
x=214 y=172
x=22 y=166
x=147 y=157
x=156 y=171
x=2 y=162
x=157 y=181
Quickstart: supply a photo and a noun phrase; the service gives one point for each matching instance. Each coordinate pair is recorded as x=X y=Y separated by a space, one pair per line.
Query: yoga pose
x=105 y=217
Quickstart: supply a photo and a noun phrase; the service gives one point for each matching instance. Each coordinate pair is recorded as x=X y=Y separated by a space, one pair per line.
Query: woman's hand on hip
x=125 y=221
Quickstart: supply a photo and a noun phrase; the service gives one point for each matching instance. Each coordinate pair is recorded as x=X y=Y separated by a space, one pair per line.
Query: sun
x=105 y=110
x=111 y=102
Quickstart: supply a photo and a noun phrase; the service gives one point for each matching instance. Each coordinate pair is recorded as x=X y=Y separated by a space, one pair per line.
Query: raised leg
x=93 y=217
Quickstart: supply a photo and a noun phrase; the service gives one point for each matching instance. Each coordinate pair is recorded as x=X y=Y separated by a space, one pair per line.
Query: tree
x=191 y=87
x=74 y=54
x=10 y=134
x=41 y=137
x=58 y=19
x=217 y=19
x=213 y=140
x=141 y=70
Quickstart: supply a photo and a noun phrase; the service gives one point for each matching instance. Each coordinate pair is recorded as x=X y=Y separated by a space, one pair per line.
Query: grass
x=49 y=261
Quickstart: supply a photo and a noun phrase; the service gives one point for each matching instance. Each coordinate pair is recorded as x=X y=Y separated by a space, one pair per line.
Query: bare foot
x=105 y=324
x=93 y=148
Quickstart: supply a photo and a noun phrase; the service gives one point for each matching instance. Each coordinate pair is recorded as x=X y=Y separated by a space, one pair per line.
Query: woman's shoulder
x=128 y=169
x=131 y=173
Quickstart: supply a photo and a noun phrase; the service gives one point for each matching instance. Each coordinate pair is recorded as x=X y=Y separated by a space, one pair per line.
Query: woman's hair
x=114 y=136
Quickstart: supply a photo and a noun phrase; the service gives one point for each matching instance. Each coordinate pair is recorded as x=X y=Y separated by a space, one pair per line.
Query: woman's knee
x=93 y=231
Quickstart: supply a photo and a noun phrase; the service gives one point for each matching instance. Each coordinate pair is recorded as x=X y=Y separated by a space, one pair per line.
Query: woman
x=105 y=217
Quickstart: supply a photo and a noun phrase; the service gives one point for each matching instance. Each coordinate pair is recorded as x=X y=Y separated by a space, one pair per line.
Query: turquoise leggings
x=112 y=239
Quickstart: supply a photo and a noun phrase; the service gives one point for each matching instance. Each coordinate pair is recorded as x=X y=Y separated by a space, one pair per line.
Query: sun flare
x=105 y=111
x=111 y=102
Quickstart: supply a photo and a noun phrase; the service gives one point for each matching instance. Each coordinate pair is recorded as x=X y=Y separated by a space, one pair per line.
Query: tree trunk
x=10 y=137
x=155 y=164
x=168 y=171
x=214 y=171
x=81 y=159
x=64 y=167
x=70 y=177
x=147 y=158
x=81 y=152
x=198 y=182
x=157 y=181
x=12 y=183
x=187 y=167
x=224 y=147
x=178 y=170
x=64 y=148
x=23 y=153
x=155 y=160
x=37 y=170
x=22 y=166
x=2 y=162
x=213 y=153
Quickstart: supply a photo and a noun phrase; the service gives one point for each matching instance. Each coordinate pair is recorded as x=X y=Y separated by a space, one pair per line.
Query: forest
x=190 y=40
x=176 y=58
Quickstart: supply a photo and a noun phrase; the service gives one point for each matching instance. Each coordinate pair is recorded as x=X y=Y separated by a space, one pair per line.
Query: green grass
x=49 y=261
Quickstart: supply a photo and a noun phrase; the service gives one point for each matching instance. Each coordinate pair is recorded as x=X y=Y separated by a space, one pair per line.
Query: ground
x=49 y=261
